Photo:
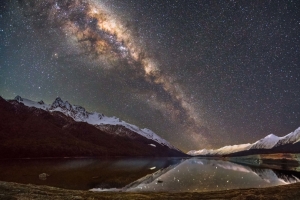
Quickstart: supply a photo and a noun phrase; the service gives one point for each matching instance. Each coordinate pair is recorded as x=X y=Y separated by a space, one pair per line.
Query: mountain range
x=270 y=144
x=60 y=129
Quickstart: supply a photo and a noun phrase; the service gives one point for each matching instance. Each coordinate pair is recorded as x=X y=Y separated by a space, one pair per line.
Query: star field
x=201 y=74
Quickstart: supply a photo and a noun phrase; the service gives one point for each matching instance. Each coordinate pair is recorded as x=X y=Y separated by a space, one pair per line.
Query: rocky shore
x=15 y=191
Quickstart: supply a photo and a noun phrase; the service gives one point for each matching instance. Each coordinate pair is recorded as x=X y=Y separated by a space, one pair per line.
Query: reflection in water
x=196 y=174
x=81 y=174
x=143 y=174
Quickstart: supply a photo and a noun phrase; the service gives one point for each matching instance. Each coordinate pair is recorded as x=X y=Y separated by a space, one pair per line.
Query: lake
x=143 y=174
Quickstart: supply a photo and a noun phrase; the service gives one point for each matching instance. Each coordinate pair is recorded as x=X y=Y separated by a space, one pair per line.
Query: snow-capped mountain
x=79 y=114
x=290 y=138
x=266 y=143
x=221 y=151
x=201 y=152
x=269 y=142
x=31 y=129
x=232 y=149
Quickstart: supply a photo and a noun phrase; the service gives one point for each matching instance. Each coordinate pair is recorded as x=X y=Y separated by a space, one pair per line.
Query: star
x=200 y=74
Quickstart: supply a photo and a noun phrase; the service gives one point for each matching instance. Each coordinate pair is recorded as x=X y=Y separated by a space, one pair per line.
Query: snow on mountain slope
x=266 y=143
x=221 y=151
x=233 y=148
x=79 y=114
x=290 y=138
x=201 y=152
x=30 y=103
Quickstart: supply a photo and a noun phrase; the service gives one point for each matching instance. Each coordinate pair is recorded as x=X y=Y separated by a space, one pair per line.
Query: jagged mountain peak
x=51 y=133
x=271 y=136
x=18 y=98
x=290 y=138
x=58 y=102
x=266 y=143
x=79 y=114
x=41 y=102
x=58 y=99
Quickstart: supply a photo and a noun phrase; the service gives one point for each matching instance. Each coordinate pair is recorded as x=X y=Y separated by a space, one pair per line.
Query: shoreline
x=17 y=191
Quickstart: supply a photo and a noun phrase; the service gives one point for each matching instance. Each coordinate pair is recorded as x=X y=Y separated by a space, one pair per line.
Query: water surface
x=144 y=174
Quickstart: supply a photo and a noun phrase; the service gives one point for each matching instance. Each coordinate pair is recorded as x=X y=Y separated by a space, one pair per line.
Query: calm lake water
x=143 y=174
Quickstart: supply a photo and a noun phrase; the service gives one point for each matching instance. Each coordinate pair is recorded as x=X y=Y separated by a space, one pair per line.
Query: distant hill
x=270 y=144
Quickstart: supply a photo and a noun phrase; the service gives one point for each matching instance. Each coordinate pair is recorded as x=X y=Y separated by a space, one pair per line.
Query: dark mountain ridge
x=29 y=132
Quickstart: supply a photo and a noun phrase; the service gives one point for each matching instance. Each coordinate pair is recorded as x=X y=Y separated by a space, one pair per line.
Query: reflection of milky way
x=100 y=35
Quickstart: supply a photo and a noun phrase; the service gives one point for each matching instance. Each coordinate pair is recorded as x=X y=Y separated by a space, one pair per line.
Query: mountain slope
x=290 y=138
x=221 y=151
x=267 y=145
x=34 y=132
x=79 y=114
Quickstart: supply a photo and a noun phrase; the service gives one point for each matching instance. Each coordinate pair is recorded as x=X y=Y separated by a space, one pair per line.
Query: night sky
x=201 y=74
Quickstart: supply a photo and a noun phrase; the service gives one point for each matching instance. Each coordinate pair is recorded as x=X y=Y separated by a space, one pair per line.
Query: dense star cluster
x=201 y=74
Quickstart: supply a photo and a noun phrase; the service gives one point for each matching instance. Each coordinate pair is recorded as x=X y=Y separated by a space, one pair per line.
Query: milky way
x=201 y=74
x=103 y=37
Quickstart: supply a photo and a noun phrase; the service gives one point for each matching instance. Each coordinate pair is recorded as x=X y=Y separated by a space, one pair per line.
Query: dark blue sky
x=201 y=74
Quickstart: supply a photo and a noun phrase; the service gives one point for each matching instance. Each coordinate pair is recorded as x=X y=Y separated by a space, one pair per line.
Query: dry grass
x=9 y=191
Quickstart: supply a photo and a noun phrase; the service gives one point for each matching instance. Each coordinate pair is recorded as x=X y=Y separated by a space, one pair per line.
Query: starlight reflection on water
x=195 y=174
x=143 y=174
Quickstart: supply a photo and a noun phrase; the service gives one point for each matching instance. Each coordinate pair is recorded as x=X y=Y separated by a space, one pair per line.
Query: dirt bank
x=10 y=191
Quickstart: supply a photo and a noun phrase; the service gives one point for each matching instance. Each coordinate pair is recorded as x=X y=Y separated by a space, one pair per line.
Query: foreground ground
x=10 y=191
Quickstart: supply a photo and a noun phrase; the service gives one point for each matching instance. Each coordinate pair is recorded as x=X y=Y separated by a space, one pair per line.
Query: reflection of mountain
x=287 y=176
x=268 y=175
x=181 y=177
x=83 y=173
x=140 y=183
x=149 y=178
